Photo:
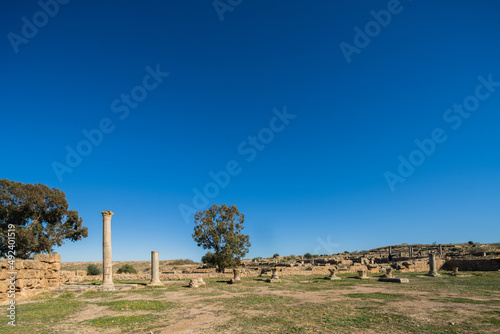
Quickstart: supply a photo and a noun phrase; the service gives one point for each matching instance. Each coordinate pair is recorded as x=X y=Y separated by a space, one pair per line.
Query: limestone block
x=4 y=286
x=81 y=273
x=43 y=283
x=52 y=282
x=22 y=283
x=32 y=264
x=56 y=266
x=19 y=264
x=29 y=273
x=52 y=275
x=48 y=258
x=4 y=263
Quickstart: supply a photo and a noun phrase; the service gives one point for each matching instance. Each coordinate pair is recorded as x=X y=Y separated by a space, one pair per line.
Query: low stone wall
x=31 y=276
x=491 y=264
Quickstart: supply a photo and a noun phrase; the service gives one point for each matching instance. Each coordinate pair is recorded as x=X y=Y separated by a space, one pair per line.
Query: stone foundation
x=32 y=276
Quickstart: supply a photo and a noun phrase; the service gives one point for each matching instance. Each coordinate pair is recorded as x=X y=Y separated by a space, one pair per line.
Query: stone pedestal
x=388 y=273
x=237 y=276
x=333 y=275
x=274 y=277
x=432 y=265
x=155 y=270
x=107 y=262
x=362 y=274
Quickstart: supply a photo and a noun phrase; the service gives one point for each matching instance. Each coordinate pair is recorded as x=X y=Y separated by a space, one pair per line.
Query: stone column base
x=107 y=287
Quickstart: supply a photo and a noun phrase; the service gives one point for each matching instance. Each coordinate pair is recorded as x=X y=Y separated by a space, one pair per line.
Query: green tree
x=40 y=217
x=276 y=256
x=219 y=228
x=308 y=256
x=93 y=269
x=209 y=259
x=126 y=269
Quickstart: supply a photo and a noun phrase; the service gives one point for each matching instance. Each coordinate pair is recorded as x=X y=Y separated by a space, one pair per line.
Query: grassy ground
x=300 y=304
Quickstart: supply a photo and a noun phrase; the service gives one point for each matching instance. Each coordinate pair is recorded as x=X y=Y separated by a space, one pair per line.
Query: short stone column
x=107 y=262
x=455 y=271
x=333 y=275
x=440 y=250
x=362 y=274
x=274 y=277
x=388 y=273
x=432 y=265
x=155 y=270
x=237 y=276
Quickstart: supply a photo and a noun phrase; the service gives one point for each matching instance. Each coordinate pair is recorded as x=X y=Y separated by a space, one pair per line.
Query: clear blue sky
x=313 y=181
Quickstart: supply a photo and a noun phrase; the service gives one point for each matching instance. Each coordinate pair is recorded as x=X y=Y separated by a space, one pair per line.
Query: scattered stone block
x=196 y=282
x=394 y=280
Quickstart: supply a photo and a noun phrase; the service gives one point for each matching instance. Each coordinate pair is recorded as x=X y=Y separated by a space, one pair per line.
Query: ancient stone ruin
x=107 y=263
x=155 y=270
x=274 y=277
x=333 y=276
x=196 y=282
x=237 y=276
x=432 y=265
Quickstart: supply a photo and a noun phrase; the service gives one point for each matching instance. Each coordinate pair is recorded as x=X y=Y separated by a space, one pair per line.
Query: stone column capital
x=106 y=214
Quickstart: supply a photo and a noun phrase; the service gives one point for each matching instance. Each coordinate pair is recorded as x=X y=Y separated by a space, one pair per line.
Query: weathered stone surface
x=333 y=275
x=4 y=286
x=107 y=270
x=19 y=264
x=274 y=277
x=32 y=264
x=394 y=280
x=237 y=276
x=362 y=274
x=55 y=266
x=30 y=273
x=196 y=282
x=432 y=265
x=53 y=282
x=48 y=258
x=155 y=270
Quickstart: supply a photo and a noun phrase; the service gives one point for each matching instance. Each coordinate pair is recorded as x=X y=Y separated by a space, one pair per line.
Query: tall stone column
x=107 y=263
x=155 y=270
x=432 y=265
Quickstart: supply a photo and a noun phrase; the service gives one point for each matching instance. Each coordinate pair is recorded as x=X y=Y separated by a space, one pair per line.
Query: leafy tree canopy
x=219 y=228
x=40 y=217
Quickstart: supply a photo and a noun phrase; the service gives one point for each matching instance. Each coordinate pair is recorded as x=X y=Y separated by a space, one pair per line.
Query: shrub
x=315 y=256
x=256 y=259
x=127 y=269
x=471 y=242
x=93 y=269
x=276 y=255
x=308 y=256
